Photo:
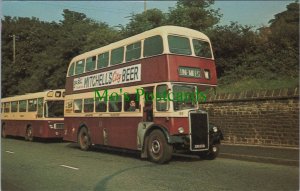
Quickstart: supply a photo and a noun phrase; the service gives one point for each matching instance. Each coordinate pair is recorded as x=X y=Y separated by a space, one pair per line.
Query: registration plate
x=189 y=72
x=199 y=146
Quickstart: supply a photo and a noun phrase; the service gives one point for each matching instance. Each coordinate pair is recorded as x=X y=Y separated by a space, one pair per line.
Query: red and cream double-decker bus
x=33 y=115
x=142 y=93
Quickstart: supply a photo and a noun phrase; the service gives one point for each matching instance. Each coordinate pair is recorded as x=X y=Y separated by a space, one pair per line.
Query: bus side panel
x=15 y=127
x=71 y=128
x=40 y=128
x=120 y=132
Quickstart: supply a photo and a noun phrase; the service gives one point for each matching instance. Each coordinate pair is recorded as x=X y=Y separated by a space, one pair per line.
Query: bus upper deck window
x=79 y=67
x=117 y=56
x=153 y=46
x=202 y=48
x=90 y=64
x=179 y=45
x=133 y=51
x=71 y=70
x=103 y=60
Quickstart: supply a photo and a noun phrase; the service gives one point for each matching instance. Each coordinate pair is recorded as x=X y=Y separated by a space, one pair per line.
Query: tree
x=195 y=14
x=230 y=44
x=147 y=20
x=44 y=50
x=285 y=27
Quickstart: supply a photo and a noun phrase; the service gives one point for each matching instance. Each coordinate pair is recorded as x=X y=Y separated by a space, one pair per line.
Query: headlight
x=215 y=129
x=181 y=130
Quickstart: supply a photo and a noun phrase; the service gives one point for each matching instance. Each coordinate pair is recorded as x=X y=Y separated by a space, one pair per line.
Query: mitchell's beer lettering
x=114 y=77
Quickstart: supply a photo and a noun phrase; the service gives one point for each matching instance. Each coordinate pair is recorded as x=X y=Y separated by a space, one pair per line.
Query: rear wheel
x=84 y=139
x=158 y=149
x=29 y=134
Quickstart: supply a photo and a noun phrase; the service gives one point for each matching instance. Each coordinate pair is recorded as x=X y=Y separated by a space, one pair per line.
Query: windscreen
x=184 y=97
x=54 y=109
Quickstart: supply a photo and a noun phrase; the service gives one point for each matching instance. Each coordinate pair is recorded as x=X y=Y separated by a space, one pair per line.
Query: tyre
x=159 y=151
x=212 y=153
x=3 y=132
x=29 y=134
x=84 y=139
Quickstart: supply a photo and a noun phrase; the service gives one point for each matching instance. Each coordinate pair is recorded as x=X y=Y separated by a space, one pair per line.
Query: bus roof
x=163 y=30
x=35 y=95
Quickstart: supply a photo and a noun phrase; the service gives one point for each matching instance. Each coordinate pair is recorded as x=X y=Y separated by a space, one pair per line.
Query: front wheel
x=84 y=139
x=212 y=153
x=158 y=148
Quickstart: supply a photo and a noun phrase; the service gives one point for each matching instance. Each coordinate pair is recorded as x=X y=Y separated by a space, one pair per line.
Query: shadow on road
x=177 y=157
x=102 y=184
x=37 y=139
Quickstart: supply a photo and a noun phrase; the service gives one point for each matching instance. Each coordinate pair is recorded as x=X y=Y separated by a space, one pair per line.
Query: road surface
x=30 y=166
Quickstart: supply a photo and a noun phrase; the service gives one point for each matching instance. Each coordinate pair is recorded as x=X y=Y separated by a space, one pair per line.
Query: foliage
x=195 y=14
x=144 y=21
x=271 y=53
x=44 y=50
x=257 y=84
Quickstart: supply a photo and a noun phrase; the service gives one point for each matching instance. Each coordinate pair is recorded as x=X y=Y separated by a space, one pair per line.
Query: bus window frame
x=140 y=53
x=86 y=61
x=28 y=103
x=72 y=67
x=123 y=57
x=181 y=36
x=167 y=100
x=108 y=60
x=83 y=70
x=26 y=108
x=38 y=114
x=163 y=46
x=84 y=105
x=210 y=48
x=120 y=97
x=106 y=106
x=126 y=103
x=74 y=105
x=6 y=107
x=11 y=107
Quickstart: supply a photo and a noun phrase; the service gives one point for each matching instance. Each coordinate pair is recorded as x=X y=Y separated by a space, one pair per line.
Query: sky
x=254 y=13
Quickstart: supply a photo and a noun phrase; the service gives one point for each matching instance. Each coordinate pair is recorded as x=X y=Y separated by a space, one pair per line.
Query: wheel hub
x=155 y=146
